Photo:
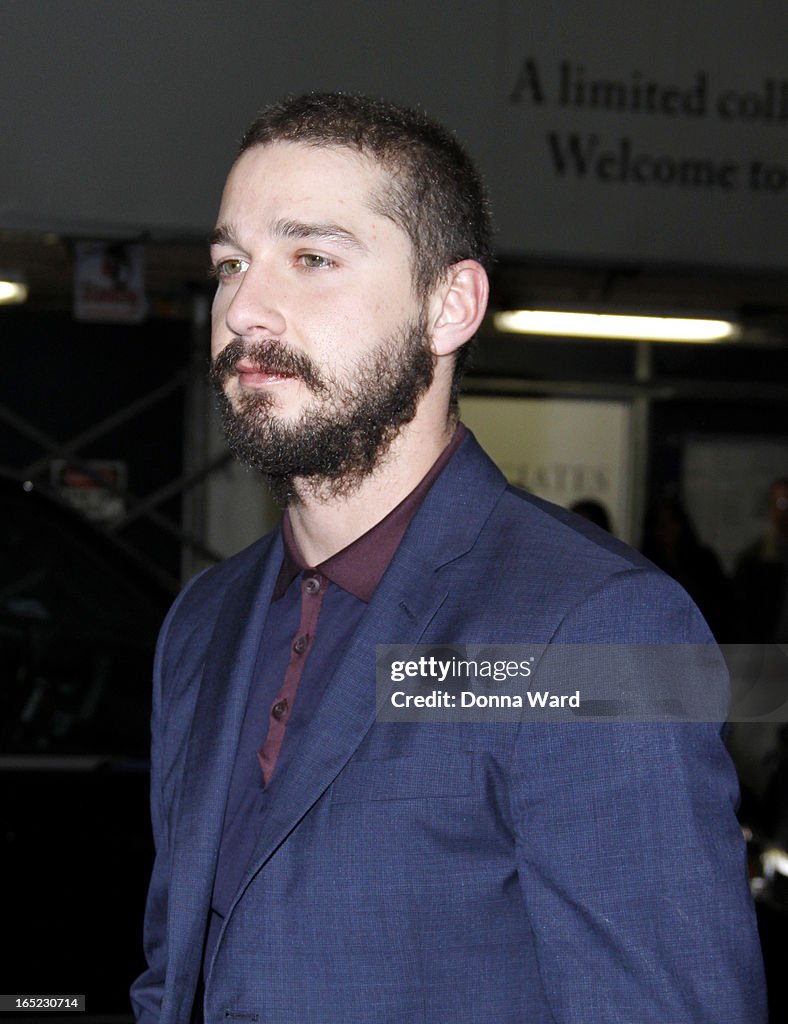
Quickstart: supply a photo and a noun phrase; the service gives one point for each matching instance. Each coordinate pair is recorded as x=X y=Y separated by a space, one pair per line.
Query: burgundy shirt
x=310 y=623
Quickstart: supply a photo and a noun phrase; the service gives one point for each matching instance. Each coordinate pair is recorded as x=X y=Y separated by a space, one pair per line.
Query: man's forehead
x=311 y=157
x=319 y=185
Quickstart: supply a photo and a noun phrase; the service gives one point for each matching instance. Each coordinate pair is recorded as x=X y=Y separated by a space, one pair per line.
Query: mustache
x=269 y=356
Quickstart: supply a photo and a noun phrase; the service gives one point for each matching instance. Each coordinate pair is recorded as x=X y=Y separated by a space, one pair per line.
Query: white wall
x=564 y=450
x=123 y=115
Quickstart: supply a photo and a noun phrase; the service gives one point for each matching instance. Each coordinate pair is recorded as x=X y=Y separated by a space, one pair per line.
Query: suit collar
x=359 y=567
x=456 y=508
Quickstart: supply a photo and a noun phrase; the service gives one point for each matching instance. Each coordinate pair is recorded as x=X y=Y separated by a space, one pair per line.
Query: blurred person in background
x=761 y=579
x=671 y=542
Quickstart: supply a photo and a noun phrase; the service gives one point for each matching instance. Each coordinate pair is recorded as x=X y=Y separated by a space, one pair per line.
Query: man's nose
x=254 y=309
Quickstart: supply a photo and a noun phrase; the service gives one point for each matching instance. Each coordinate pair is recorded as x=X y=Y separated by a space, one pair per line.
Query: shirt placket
x=313 y=590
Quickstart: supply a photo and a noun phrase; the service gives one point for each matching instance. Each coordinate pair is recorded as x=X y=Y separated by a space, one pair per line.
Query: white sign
x=607 y=131
x=632 y=133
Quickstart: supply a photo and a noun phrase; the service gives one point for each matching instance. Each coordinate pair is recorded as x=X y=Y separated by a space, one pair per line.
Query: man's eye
x=312 y=261
x=230 y=267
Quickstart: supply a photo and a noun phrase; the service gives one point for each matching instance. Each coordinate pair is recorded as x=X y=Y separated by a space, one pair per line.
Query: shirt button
x=301 y=643
x=311 y=585
x=279 y=710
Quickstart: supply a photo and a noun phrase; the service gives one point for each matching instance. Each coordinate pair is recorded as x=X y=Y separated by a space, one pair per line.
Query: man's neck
x=324 y=522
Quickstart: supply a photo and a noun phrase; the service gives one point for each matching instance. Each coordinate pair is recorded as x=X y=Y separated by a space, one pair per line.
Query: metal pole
x=639 y=446
x=195 y=435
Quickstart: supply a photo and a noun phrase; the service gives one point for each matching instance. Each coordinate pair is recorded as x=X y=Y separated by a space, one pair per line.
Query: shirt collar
x=359 y=567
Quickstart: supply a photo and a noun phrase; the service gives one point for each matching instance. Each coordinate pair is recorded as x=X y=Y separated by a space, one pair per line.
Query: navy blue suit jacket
x=451 y=873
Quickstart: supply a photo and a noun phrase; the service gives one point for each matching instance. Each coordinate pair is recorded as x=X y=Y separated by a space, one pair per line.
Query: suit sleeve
x=630 y=858
x=147 y=990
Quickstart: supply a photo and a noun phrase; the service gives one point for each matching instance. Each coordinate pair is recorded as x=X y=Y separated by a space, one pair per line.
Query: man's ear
x=457 y=306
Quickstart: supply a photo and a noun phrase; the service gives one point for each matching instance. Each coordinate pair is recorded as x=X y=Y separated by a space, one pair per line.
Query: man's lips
x=252 y=374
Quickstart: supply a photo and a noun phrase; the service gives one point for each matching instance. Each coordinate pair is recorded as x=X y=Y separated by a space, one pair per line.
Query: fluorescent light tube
x=12 y=291
x=616 y=326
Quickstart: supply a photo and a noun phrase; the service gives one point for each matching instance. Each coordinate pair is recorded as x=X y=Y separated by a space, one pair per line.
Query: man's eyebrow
x=325 y=231
x=223 y=234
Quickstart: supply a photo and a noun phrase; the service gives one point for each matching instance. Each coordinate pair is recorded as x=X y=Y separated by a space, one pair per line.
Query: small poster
x=109 y=283
x=95 y=487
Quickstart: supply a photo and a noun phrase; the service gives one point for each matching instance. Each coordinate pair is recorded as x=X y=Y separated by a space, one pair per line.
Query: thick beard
x=337 y=442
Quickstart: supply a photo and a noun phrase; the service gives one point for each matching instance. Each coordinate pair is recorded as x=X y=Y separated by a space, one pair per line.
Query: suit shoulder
x=201 y=599
x=557 y=532
x=573 y=571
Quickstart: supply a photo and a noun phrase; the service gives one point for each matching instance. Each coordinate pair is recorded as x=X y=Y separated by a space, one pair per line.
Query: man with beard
x=315 y=863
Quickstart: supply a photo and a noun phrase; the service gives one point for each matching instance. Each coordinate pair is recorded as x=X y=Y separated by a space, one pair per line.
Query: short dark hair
x=435 y=194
